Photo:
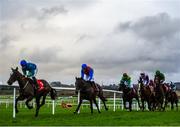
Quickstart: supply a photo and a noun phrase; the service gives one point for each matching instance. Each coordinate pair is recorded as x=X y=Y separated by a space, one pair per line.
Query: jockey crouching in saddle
x=87 y=74
x=160 y=76
x=29 y=70
x=127 y=81
x=145 y=80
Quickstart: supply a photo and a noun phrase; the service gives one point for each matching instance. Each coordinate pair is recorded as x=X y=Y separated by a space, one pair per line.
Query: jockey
x=88 y=72
x=144 y=78
x=29 y=70
x=160 y=76
x=126 y=80
x=173 y=87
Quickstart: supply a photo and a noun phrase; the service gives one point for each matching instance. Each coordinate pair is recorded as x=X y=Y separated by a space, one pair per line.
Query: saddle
x=39 y=83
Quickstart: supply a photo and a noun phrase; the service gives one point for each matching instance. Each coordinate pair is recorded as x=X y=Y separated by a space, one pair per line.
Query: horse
x=159 y=94
x=147 y=95
x=128 y=95
x=170 y=96
x=87 y=92
x=27 y=90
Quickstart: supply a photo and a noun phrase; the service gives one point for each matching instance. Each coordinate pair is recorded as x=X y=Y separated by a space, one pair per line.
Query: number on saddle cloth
x=40 y=84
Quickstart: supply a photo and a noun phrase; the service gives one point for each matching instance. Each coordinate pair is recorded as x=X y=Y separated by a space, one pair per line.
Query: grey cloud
x=46 y=55
x=154 y=28
x=52 y=11
x=5 y=41
x=82 y=38
x=147 y=44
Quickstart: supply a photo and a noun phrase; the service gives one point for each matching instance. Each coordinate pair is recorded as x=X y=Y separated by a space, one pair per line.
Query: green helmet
x=125 y=75
x=157 y=72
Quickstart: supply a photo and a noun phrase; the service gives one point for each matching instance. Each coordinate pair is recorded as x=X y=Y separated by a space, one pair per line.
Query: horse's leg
x=96 y=105
x=130 y=105
x=91 y=107
x=77 y=109
x=172 y=104
x=43 y=100
x=27 y=102
x=17 y=99
x=37 y=105
x=176 y=105
x=137 y=98
x=142 y=101
x=104 y=102
x=124 y=103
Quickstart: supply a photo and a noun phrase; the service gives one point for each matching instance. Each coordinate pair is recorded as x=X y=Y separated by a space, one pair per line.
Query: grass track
x=65 y=117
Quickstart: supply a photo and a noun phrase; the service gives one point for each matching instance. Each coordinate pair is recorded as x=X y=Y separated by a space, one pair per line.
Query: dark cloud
x=52 y=11
x=154 y=28
x=45 y=55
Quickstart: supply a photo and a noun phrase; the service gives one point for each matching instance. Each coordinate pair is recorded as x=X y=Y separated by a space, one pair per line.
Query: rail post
x=78 y=99
x=114 y=101
x=14 y=102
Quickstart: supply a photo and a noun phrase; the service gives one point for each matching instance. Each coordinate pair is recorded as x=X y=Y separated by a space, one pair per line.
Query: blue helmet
x=83 y=66
x=23 y=63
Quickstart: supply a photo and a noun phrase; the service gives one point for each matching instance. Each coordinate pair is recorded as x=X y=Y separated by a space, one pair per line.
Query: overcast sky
x=112 y=36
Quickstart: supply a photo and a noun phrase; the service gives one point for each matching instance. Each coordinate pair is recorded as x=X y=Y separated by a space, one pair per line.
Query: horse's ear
x=16 y=68
x=76 y=78
x=12 y=69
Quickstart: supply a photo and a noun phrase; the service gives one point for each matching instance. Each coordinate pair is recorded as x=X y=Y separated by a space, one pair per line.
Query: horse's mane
x=85 y=83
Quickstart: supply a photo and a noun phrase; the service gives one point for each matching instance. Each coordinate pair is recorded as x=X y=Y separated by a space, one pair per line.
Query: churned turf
x=65 y=117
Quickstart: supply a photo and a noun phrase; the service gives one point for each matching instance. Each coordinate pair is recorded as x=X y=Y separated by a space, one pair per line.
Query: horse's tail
x=100 y=95
x=53 y=94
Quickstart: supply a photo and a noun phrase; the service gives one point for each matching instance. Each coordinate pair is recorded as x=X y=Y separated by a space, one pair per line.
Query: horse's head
x=79 y=83
x=140 y=83
x=13 y=76
x=157 y=80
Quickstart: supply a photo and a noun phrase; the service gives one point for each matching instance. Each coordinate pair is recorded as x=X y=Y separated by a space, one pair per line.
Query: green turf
x=65 y=117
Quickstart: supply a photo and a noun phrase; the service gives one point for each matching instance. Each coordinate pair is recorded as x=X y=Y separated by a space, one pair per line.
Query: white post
x=114 y=102
x=14 y=102
x=122 y=105
x=78 y=99
x=99 y=104
x=53 y=107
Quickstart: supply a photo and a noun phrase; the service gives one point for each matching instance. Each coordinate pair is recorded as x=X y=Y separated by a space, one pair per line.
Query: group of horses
x=156 y=95
x=154 y=99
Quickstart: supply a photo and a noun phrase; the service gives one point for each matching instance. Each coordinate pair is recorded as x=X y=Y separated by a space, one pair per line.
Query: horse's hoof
x=36 y=115
x=99 y=112
x=75 y=112
x=107 y=109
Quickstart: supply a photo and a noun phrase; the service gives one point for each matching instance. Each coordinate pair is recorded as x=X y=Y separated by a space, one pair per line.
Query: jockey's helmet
x=83 y=66
x=142 y=74
x=157 y=72
x=125 y=75
x=23 y=63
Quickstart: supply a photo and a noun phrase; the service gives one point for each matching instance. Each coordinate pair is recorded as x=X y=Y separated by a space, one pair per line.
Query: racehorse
x=128 y=95
x=87 y=92
x=170 y=96
x=27 y=90
x=159 y=94
x=146 y=95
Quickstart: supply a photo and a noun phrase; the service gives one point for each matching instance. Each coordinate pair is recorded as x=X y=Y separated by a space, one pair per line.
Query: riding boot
x=35 y=83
